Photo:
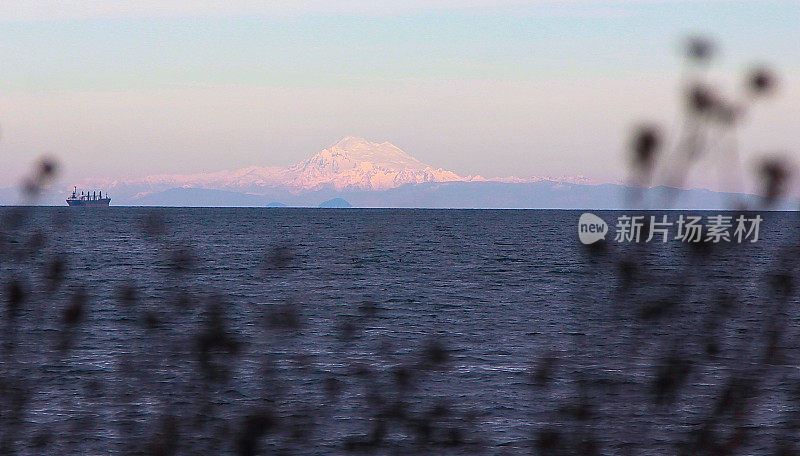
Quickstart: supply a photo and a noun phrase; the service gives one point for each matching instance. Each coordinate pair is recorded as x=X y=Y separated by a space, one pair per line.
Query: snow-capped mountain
x=359 y=173
x=357 y=163
x=351 y=164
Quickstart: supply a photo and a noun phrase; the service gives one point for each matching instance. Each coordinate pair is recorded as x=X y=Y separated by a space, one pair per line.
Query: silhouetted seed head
x=396 y=410
x=364 y=444
x=74 y=312
x=30 y=187
x=701 y=249
x=774 y=173
x=14 y=394
x=374 y=397
x=424 y=428
x=657 y=308
x=786 y=449
x=253 y=428
x=94 y=387
x=47 y=168
x=439 y=410
x=760 y=81
x=15 y=295
x=54 y=272
x=360 y=370
x=403 y=376
x=184 y=300
x=435 y=354
x=702 y=440
x=724 y=303
x=127 y=294
x=181 y=259
x=548 y=440
x=596 y=249
x=646 y=141
x=333 y=387
x=347 y=328
x=353 y=444
x=41 y=440
x=285 y=317
x=670 y=376
x=166 y=440
x=153 y=224
x=368 y=308
x=782 y=283
x=455 y=437
x=13 y=219
x=590 y=447
x=36 y=241
x=385 y=348
x=701 y=99
x=280 y=257
x=627 y=272
x=378 y=433
x=302 y=359
x=151 y=321
x=42 y=176
x=300 y=426
x=734 y=397
x=581 y=411
x=543 y=370
x=699 y=48
x=213 y=342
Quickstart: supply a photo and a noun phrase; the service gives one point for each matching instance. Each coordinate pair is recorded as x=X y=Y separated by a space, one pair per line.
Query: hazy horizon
x=480 y=88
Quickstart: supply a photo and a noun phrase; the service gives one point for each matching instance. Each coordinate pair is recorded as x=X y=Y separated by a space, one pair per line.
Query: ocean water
x=341 y=331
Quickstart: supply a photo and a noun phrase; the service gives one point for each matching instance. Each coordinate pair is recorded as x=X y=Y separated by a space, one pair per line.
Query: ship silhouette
x=89 y=199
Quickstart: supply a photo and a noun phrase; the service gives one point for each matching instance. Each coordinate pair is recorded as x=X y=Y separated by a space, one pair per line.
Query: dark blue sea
x=216 y=331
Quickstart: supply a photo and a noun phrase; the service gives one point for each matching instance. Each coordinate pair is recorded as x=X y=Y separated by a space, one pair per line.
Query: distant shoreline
x=410 y=208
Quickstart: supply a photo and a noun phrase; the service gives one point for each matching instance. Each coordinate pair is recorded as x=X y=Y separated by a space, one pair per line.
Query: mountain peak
x=354 y=152
x=351 y=163
x=352 y=142
x=358 y=163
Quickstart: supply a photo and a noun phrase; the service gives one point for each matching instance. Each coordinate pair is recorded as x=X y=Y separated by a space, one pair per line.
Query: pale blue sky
x=492 y=88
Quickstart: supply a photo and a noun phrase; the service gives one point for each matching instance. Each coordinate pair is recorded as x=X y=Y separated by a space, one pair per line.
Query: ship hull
x=89 y=203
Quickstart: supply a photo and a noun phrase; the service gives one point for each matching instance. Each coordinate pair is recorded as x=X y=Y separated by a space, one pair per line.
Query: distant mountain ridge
x=351 y=163
x=357 y=172
x=460 y=195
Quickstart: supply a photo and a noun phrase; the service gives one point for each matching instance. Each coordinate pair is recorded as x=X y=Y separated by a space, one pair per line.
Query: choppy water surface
x=313 y=331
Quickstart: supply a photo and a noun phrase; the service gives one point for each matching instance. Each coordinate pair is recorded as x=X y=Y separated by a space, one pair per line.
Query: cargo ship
x=88 y=199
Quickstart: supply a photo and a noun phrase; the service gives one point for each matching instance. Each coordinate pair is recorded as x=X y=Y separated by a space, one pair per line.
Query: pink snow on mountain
x=353 y=163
